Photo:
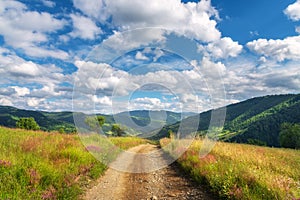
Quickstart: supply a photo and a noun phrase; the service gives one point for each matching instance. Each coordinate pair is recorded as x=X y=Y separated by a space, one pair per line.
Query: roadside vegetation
x=240 y=171
x=41 y=165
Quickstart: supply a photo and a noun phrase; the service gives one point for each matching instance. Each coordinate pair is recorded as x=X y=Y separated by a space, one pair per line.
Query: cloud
x=27 y=30
x=211 y=69
x=247 y=80
x=140 y=56
x=84 y=27
x=5 y=102
x=97 y=83
x=147 y=103
x=92 y=8
x=242 y=79
x=92 y=77
x=17 y=71
x=193 y=20
x=102 y=100
x=34 y=102
x=128 y=40
x=31 y=85
x=158 y=53
x=44 y=52
x=297 y=29
x=280 y=50
x=222 y=48
x=293 y=11
x=103 y=80
x=48 y=3
x=21 y=91
x=25 y=69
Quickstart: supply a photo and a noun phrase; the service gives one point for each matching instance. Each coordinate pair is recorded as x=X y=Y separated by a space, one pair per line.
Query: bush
x=27 y=123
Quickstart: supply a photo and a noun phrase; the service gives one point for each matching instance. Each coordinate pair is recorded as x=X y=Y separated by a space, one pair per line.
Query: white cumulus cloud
x=293 y=11
x=25 y=69
x=84 y=27
x=34 y=102
x=280 y=50
x=223 y=48
x=21 y=91
x=140 y=56
x=25 y=29
x=193 y=20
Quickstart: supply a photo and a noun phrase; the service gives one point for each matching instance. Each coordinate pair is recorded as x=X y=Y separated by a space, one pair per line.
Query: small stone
x=154 y=197
x=172 y=195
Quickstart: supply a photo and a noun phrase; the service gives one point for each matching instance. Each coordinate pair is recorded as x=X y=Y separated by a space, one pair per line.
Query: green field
x=40 y=165
x=239 y=171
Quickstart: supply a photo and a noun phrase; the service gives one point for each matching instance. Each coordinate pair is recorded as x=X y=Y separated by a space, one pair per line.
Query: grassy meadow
x=239 y=171
x=40 y=165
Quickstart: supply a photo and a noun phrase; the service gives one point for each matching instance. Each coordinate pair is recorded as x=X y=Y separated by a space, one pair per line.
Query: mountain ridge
x=53 y=121
x=258 y=119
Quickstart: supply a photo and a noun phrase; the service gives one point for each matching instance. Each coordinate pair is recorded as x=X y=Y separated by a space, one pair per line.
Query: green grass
x=239 y=171
x=39 y=165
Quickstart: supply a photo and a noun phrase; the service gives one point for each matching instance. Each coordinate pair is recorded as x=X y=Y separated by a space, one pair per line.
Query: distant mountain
x=145 y=121
x=254 y=120
x=136 y=122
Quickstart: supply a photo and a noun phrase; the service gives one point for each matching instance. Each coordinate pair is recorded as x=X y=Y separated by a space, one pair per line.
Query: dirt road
x=166 y=183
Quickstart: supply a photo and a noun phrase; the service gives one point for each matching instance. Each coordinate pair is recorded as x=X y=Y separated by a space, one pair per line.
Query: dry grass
x=239 y=171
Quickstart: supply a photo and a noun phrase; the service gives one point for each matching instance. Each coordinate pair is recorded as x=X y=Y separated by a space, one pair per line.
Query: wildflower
x=5 y=163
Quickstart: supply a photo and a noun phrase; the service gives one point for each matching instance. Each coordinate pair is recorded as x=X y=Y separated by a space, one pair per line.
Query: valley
x=54 y=164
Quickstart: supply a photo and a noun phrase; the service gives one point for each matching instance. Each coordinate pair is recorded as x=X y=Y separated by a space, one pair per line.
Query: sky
x=109 y=56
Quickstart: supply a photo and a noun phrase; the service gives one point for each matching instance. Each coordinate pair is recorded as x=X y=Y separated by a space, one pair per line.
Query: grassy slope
x=39 y=165
x=258 y=118
x=239 y=171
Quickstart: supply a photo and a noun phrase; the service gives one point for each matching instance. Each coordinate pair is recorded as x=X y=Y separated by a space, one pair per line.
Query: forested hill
x=48 y=121
x=254 y=120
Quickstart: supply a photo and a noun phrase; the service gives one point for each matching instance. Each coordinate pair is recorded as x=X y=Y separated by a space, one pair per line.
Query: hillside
x=256 y=119
x=48 y=121
x=138 y=121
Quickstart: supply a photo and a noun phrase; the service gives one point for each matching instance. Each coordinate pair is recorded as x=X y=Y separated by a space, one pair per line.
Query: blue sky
x=112 y=56
x=247 y=20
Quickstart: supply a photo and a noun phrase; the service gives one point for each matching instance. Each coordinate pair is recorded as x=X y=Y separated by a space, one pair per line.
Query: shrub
x=27 y=123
